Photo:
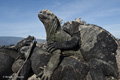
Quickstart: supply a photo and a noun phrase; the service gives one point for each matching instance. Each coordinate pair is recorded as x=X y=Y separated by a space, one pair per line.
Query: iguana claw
x=45 y=74
x=51 y=49
x=52 y=46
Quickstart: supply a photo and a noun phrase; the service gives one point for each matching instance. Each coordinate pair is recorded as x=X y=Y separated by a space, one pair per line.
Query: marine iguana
x=54 y=33
x=22 y=46
x=97 y=46
x=25 y=48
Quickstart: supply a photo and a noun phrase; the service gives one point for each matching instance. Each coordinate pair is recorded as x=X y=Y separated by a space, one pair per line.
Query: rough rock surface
x=5 y=66
x=98 y=47
x=69 y=69
x=7 y=57
x=118 y=59
x=119 y=41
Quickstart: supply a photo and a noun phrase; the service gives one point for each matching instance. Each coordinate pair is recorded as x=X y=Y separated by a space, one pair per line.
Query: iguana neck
x=51 y=29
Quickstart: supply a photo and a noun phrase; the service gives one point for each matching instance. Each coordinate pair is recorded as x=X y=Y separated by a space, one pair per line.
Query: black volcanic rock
x=69 y=68
x=5 y=66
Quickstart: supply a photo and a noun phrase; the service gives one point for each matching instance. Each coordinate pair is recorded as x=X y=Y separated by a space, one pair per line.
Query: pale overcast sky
x=20 y=17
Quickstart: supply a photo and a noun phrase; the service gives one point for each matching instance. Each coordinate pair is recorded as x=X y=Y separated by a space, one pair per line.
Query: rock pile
x=76 y=51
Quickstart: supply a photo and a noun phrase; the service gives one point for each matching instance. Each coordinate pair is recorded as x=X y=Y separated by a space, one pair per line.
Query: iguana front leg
x=51 y=66
x=65 y=45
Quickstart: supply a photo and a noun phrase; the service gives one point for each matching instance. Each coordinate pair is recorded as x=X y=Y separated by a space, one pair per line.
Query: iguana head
x=46 y=16
x=25 y=42
x=31 y=38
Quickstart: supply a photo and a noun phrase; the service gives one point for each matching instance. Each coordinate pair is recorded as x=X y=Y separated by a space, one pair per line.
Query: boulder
x=5 y=66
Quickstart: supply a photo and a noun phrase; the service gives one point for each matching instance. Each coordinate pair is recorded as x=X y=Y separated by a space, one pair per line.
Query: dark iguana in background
x=22 y=67
x=24 y=42
x=55 y=33
x=97 y=46
x=22 y=47
x=8 y=54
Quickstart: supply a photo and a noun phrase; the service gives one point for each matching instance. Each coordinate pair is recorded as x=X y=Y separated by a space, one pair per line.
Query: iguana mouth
x=42 y=16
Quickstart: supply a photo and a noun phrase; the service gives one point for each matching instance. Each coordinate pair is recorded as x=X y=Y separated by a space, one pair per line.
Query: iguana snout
x=41 y=15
